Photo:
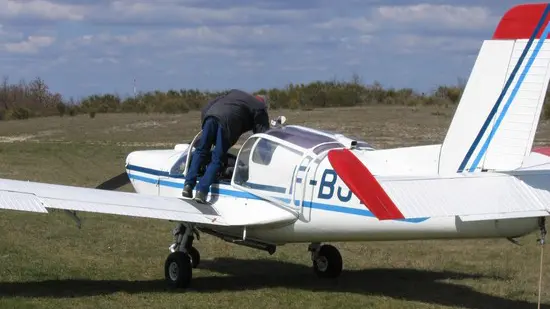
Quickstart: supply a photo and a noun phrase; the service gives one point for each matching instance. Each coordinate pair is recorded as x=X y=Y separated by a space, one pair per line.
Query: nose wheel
x=327 y=261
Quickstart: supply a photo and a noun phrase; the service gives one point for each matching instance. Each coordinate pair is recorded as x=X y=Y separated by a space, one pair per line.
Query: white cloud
x=40 y=9
x=312 y=67
x=31 y=45
x=362 y=24
x=413 y=43
x=224 y=39
x=7 y=34
x=107 y=39
x=457 y=17
x=148 y=10
x=101 y=60
x=143 y=12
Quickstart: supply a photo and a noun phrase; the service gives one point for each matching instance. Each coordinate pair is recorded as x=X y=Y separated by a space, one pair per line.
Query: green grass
x=117 y=262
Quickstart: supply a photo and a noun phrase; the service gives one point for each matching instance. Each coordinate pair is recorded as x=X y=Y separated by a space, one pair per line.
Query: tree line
x=24 y=100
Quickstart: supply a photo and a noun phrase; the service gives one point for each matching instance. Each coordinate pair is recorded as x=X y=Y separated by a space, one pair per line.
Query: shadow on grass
x=405 y=284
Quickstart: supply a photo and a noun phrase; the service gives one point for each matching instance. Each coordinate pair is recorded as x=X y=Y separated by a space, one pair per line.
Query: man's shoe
x=200 y=197
x=187 y=191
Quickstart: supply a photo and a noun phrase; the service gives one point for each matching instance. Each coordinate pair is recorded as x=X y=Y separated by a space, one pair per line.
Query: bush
x=22 y=101
x=18 y=113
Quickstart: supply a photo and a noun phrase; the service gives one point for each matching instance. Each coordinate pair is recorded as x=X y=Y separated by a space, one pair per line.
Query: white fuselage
x=329 y=212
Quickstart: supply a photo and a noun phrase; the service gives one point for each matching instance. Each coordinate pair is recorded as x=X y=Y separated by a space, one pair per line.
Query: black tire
x=195 y=256
x=328 y=263
x=178 y=270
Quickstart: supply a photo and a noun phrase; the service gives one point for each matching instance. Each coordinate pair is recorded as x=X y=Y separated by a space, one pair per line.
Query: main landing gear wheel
x=327 y=262
x=178 y=269
x=195 y=256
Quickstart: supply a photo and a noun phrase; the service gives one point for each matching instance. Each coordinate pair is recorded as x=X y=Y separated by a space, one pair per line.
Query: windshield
x=309 y=138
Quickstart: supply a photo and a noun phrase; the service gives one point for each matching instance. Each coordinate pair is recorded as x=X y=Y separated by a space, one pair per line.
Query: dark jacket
x=237 y=112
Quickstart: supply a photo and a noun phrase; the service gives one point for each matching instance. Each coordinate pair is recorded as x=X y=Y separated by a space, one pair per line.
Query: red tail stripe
x=520 y=21
x=362 y=183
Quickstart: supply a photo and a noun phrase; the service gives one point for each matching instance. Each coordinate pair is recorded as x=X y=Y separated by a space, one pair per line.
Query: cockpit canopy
x=274 y=156
x=318 y=140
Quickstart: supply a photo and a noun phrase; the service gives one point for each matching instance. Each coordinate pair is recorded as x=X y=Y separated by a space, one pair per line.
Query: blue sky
x=81 y=47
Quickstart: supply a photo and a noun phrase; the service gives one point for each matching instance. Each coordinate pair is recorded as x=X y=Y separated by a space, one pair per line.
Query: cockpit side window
x=265 y=162
x=179 y=167
x=263 y=152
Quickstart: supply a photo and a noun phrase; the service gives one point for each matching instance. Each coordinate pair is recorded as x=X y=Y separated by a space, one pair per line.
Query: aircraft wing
x=472 y=197
x=38 y=197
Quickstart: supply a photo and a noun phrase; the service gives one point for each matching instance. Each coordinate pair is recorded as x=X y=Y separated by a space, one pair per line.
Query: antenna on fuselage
x=135 y=88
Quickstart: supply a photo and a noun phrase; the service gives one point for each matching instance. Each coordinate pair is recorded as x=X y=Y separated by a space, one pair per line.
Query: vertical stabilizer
x=495 y=122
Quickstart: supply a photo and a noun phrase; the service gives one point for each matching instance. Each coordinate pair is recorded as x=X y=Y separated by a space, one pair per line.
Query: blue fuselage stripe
x=152 y=171
x=241 y=194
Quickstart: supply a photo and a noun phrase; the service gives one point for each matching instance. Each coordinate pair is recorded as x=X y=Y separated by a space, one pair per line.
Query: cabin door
x=265 y=168
x=303 y=185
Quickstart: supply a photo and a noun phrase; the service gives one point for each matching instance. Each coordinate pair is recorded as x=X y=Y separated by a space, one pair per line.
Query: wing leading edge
x=38 y=197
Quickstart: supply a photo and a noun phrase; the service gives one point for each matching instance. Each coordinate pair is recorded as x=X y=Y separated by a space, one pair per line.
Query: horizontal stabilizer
x=473 y=197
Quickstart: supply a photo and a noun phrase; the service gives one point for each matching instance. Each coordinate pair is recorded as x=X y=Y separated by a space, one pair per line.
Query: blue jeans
x=212 y=134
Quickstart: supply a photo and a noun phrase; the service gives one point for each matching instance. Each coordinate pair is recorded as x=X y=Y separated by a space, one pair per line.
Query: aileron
x=21 y=201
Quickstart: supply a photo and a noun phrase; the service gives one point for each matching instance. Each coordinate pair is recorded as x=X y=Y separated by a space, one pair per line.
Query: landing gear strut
x=327 y=261
x=178 y=268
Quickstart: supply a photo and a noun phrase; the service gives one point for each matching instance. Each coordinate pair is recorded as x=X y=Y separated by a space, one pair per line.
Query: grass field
x=117 y=262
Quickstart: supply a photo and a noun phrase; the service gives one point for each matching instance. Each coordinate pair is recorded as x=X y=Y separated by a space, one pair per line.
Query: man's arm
x=261 y=121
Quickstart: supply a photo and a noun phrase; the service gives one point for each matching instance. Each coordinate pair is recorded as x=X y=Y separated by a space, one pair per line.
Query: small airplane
x=294 y=184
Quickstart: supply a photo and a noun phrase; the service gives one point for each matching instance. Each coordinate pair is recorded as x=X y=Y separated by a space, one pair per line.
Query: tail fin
x=498 y=114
